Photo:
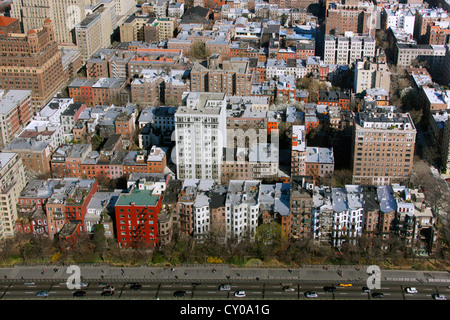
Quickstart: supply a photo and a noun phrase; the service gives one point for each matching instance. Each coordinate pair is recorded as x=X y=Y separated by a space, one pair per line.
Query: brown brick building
x=383 y=148
x=230 y=77
x=32 y=61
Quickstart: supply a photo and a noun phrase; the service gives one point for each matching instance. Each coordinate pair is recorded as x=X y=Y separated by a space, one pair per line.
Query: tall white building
x=12 y=182
x=94 y=32
x=65 y=14
x=200 y=135
x=398 y=18
x=345 y=50
x=348 y=214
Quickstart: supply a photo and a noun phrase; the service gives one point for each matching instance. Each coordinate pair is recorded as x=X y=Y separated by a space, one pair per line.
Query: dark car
x=179 y=294
x=79 y=293
x=107 y=293
x=377 y=295
x=366 y=289
x=329 y=289
x=135 y=287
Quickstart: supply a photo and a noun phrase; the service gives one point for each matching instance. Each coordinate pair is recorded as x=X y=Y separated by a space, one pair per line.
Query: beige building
x=383 y=148
x=94 y=32
x=12 y=182
x=372 y=73
x=65 y=14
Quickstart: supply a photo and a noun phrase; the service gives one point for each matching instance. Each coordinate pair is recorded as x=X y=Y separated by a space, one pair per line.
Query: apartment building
x=94 y=31
x=433 y=55
x=32 y=218
x=101 y=91
x=65 y=14
x=136 y=216
x=438 y=33
x=424 y=16
x=372 y=73
x=66 y=160
x=242 y=209
x=158 y=87
x=301 y=207
x=348 y=208
x=67 y=208
x=156 y=125
x=396 y=17
x=200 y=135
x=15 y=113
x=32 y=61
x=35 y=144
x=12 y=182
x=357 y=17
x=133 y=29
x=344 y=50
x=383 y=148
x=298 y=150
x=230 y=77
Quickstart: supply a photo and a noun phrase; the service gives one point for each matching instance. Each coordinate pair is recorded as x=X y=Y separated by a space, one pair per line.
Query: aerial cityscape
x=226 y=142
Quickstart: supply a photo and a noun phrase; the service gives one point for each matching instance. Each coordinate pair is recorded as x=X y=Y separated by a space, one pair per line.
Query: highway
x=209 y=290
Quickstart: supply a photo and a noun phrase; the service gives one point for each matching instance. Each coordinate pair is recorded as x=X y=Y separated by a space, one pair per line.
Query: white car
x=411 y=290
x=439 y=297
x=239 y=294
x=311 y=294
x=225 y=287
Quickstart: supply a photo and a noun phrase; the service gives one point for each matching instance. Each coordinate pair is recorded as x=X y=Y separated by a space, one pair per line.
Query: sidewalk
x=222 y=272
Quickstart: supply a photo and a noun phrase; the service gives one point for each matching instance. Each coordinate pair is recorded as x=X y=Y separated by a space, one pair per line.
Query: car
x=225 y=287
x=42 y=294
x=107 y=293
x=79 y=293
x=288 y=289
x=329 y=289
x=411 y=290
x=377 y=295
x=135 y=287
x=345 y=285
x=239 y=294
x=179 y=294
x=365 y=289
x=439 y=297
x=311 y=294
x=83 y=284
x=194 y=284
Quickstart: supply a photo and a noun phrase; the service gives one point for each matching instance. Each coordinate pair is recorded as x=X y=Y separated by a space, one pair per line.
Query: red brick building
x=137 y=219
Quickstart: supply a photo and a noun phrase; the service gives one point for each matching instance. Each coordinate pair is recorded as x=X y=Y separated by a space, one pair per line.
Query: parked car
x=79 y=293
x=439 y=297
x=329 y=289
x=136 y=287
x=411 y=290
x=288 y=289
x=239 y=294
x=377 y=295
x=42 y=294
x=311 y=294
x=179 y=294
x=225 y=287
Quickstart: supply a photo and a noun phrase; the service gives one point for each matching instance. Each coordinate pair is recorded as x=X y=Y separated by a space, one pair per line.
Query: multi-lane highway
x=210 y=290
